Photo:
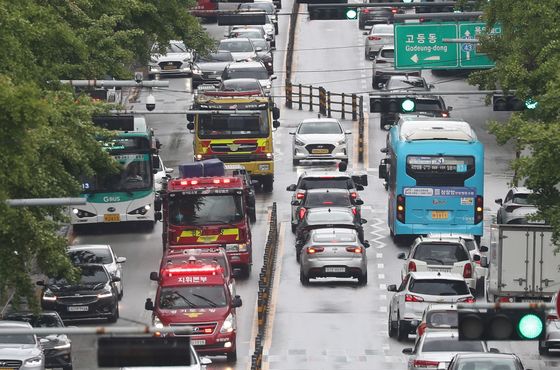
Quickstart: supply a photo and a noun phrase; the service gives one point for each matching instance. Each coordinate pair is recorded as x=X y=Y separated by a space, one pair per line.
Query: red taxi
x=197 y=294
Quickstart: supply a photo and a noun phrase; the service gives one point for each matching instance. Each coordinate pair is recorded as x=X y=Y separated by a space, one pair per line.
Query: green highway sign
x=422 y=46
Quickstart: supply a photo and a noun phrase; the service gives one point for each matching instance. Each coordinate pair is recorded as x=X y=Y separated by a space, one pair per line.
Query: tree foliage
x=47 y=139
x=527 y=55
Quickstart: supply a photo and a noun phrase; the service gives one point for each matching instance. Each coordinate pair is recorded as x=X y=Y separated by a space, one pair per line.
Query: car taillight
x=401 y=207
x=425 y=363
x=354 y=249
x=551 y=317
x=365 y=10
x=374 y=38
x=478 y=209
x=394 y=10
x=420 y=329
x=467 y=300
x=354 y=211
x=300 y=195
x=413 y=298
x=327 y=203
x=353 y=195
x=506 y=300
x=467 y=271
x=313 y=250
x=302 y=213
x=411 y=266
x=444 y=114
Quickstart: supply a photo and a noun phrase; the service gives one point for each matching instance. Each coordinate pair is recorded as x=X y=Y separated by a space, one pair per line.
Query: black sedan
x=211 y=66
x=265 y=55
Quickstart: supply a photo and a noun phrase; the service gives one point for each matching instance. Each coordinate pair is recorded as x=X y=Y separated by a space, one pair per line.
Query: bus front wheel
x=268 y=184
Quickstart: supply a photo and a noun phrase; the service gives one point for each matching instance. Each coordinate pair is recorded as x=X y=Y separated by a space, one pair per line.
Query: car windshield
x=202 y=296
x=382 y=29
x=98 y=255
x=439 y=287
x=259 y=73
x=251 y=34
x=216 y=57
x=176 y=47
x=319 y=127
x=234 y=124
x=440 y=253
x=521 y=198
x=91 y=275
x=471 y=244
x=199 y=209
x=327 y=182
x=451 y=344
x=331 y=217
x=442 y=319
x=487 y=364
x=238 y=46
x=323 y=199
x=260 y=43
x=37 y=321
x=16 y=338
x=241 y=85
x=267 y=7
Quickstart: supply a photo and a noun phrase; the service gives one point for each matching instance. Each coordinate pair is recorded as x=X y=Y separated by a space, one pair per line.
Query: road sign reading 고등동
x=422 y=46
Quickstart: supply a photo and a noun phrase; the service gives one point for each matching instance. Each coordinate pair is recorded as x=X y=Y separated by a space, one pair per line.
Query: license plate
x=335 y=269
x=198 y=342
x=528 y=300
x=320 y=151
x=7 y=368
x=112 y=217
x=264 y=167
x=169 y=67
x=440 y=215
x=78 y=308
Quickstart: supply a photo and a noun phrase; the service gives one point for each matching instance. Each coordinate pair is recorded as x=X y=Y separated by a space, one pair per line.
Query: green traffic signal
x=530 y=326
x=530 y=103
x=408 y=105
x=351 y=13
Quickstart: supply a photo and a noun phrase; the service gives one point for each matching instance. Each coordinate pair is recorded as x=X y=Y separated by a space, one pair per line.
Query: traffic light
x=391 y=104
x=502 y=324
x=335 y=11
x=512 y=103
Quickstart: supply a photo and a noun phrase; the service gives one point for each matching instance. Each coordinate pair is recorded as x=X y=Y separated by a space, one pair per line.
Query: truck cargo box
x=213 y=167
x=194 y=169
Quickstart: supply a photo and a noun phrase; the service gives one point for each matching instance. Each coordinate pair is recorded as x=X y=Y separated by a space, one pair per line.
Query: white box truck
x=523 y=264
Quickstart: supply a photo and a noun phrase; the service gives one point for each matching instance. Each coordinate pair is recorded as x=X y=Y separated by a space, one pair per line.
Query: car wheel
x=121 y=292
x=114 y=316
x=362 y=279
x=402 y=329
x=499 y=218
x=374 y=84
x=67 y=367
x=245 y=271
x=294 y=227
x=543 y=349
x=391 y=326
x=231 y=356
x=361 y=25
x=298 y=254
x=253 y=216
x=303 y=278
x=268 y=184
x=295 y=162
x=366 y=54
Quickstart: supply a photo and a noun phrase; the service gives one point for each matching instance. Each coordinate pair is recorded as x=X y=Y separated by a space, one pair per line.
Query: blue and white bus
x=128 y=195
x=434 y=173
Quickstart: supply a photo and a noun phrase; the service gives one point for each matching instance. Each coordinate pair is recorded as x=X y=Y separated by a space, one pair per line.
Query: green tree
x=47 y=139
x=527 y=55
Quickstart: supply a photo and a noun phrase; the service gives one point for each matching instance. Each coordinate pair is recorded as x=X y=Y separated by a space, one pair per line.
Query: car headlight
x=64 y=345
x=298 y=142
x=196 y=71
x=229 y=325
x=34 y=361
x=48 y=295
x=105 y=294
x=141 y=211
x=156 y=322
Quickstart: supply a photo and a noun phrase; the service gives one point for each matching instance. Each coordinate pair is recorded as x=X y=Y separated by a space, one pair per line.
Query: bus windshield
x=200 y=209
x=440 y=170
x=227 y=125
x=135 y=174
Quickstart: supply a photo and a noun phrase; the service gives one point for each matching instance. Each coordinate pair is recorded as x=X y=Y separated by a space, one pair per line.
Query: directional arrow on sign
x=414 y=58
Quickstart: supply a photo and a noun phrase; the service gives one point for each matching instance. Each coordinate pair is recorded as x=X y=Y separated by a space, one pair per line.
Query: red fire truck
x=197 y=294
x=206 y=9
x=208 y=211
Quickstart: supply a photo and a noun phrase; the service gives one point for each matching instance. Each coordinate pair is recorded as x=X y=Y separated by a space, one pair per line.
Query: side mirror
x=275 y=113
x=408 y=351
x=401 y=256
x=40 y=283
x=384 y=150
x=366 y=244
x=154 y=276
x=358 y=202
x=431 y=86
x=236 y=302
x=158 y=216
x=292 y=133
x=273 y=77
x=295 y=203
x=391 y=288
x=359 y=187
x=258 y=48
x=494 y=350
x=382 y=170
x=157 y=204
x=499 y=201
x=365 y=33
x=275 y=124
x=483 y=248
x=115 y=279
x=476 y=257
x=155 y=162
x=149 y=305
x=363 y=221
x=168 y=170
x=121 y=259
x=190 y=126
x=190 y=117
x=205 y=361
x=449 y=109
x=347 y=132
x=291 y=187
x=484 y=261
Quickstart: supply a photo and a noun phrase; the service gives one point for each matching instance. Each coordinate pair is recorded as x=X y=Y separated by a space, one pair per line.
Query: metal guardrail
x=266 y=278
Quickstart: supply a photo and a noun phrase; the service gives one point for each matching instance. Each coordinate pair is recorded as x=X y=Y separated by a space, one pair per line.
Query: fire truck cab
x=197 y=294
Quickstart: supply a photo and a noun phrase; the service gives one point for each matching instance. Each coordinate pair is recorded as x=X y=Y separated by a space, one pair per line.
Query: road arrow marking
x=414 y=58
x=433 y=57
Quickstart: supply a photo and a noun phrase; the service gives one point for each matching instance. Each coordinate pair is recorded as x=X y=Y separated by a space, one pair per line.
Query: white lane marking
x=378 y=229
x=379 y=255
x=381 y=276
x=380 y=266
x=383 y=297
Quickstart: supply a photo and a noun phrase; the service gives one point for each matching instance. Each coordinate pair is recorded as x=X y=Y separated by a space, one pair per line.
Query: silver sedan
x=436 y=350
x=333 y=252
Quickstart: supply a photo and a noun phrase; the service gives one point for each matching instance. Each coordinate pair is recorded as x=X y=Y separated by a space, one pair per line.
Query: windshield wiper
x=186 y=300
x=210 y=302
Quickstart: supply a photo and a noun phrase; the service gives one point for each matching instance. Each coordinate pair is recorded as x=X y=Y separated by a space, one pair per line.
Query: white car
x=416 y=292
x=516 y=206
x=320 y=139
x=552 y=339
x=161 y=173
x=377 y=36
x=177 y=60
x=20 y=351
x=101 y=254
x=443 y=254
